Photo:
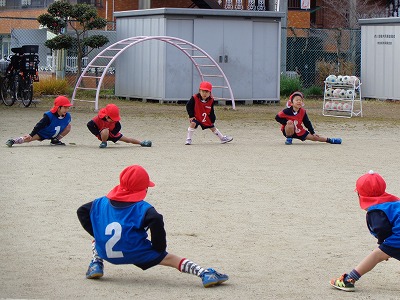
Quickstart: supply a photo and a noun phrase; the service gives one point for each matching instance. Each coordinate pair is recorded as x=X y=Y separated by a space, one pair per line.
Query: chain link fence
x=313 y=54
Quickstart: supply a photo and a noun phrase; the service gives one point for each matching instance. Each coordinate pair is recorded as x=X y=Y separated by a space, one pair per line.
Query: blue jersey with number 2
x=119 y=233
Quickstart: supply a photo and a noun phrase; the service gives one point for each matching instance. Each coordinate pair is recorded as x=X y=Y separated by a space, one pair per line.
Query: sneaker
x=226 y=139
x=103 y=145
x=289 y=141
x=95 y=270
x=56 y=142
x=343 y=284
x=188 y=142
x=145 y=143
x=211 y=277
x=10 y=142
x=335 y=140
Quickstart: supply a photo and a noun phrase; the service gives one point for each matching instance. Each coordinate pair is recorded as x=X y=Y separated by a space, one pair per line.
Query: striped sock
x=187 y=266
x=95 y=255
x=19 y=140
x=353 y=275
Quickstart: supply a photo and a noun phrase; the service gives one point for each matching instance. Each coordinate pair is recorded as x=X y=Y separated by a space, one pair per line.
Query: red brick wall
x=298 y=19
x=6 y=25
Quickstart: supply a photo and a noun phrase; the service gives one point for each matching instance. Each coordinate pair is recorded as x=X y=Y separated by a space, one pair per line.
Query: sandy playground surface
x=280 y=220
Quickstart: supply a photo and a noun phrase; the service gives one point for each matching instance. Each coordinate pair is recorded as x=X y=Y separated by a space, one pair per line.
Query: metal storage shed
x=380 y=59
x=245 y=44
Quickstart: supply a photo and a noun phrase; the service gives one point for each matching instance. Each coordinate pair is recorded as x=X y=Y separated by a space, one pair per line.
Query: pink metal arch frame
x=129 y=42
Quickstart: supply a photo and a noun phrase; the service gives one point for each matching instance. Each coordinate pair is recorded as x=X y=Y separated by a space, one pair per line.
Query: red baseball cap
x=110 y=110
x=133 y=183
x=205 y=86
x=296 y=94
x=60 y=101
x=371 y=188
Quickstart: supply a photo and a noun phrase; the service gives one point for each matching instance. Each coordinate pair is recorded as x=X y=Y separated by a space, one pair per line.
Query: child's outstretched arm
x=43 y=123
x=307 y=123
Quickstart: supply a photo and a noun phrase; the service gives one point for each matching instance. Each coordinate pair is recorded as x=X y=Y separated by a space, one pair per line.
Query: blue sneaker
x=146 y=143
x=335 y=141
x=103 y=145
x=95 y=270
x=288 y=141
x=211 y=277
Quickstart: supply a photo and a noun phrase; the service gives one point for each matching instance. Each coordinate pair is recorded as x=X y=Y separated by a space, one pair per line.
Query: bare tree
x=345 y=14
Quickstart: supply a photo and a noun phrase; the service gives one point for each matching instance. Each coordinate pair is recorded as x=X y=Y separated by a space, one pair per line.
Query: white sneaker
x=226 y=139
x=188 y=142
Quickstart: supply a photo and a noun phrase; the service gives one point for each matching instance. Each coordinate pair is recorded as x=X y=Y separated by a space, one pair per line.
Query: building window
x=26 y=2
x=294 y=4
x=95 y=3
x=144 y=4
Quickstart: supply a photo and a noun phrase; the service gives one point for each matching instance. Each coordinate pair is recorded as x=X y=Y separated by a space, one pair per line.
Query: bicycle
x=17 y=85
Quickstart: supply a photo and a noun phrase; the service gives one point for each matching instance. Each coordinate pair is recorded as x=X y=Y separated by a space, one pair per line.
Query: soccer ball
x=329 y=92
x=328 y=105
x=342 y=94
x=346 y=79
x=355 y=80
x=346 y=106
x=339 y=106
x=336 y=93
x=331 y=79
x=334 y=105
x=340 y=79
x=349 y=94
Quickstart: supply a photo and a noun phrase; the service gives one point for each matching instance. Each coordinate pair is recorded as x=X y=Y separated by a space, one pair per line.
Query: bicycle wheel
x=27 y=91
x=7 y=91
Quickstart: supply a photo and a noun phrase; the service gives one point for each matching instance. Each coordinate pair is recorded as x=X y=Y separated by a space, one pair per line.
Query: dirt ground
x=280 y=220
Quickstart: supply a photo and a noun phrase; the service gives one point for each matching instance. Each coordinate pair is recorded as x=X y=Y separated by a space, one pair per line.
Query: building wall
x=9 y=19
x=298 y=19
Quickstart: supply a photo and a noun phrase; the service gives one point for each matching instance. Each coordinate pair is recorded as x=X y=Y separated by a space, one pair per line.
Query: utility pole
x=282 y=6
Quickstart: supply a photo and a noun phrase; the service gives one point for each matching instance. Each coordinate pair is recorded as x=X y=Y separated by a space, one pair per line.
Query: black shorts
x=295 y=136
x=201 y=125
x=391 y=251
x=91 y=125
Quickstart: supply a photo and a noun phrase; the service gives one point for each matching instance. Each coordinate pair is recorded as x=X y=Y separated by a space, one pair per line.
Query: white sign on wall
x=380 y=45
x=305 y=4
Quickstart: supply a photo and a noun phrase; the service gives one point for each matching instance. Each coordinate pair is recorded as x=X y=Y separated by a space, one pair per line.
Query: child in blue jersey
x=54 y=125
x=383 y=221
x=119 y=222
x=200 y=109
x=292 y=119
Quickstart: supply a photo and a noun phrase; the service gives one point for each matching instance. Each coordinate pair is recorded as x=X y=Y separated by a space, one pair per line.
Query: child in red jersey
x=292 y=119
x=106 y=127
x=200 y=109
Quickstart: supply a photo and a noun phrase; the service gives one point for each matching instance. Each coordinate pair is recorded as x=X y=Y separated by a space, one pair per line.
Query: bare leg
x=104 y=134
x=289 y=128
x=371 y=260
x=171 y=260
x=316 y=138
x=129 y=140
x=64 y=132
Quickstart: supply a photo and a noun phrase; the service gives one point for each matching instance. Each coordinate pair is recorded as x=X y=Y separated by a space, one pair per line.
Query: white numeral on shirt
x=57 y=129
x=114 y=229
x=204 y=117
